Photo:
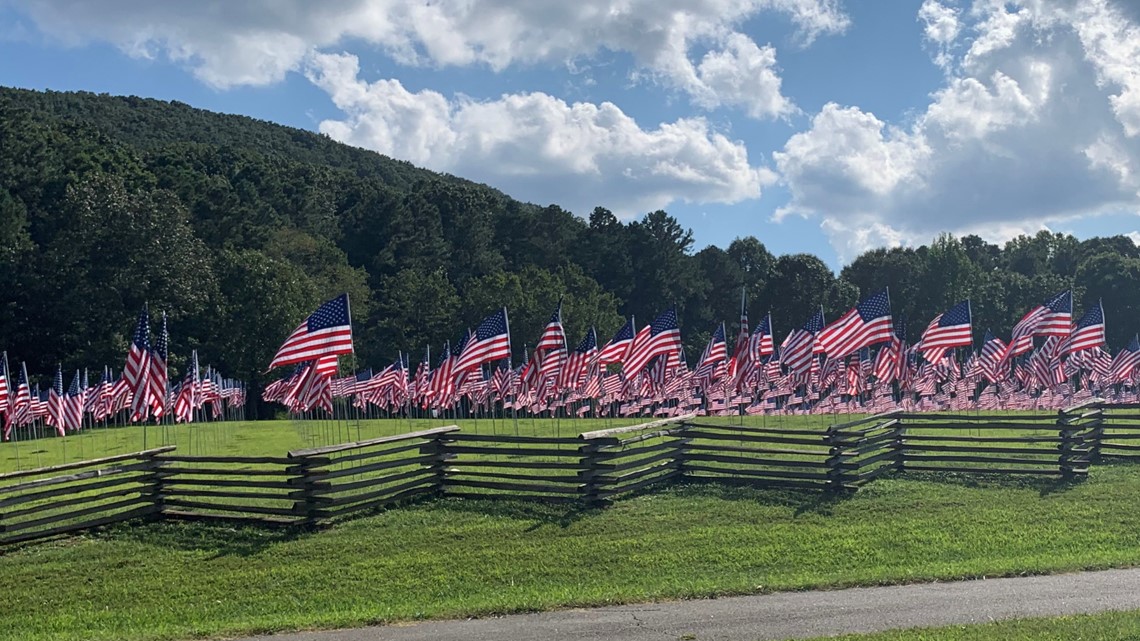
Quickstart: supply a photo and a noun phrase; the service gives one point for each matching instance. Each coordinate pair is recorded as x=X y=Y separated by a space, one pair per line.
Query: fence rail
x=319 y=485
x=77 y=496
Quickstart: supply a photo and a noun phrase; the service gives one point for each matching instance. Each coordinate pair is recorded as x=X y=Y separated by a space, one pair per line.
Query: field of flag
x=862 y=362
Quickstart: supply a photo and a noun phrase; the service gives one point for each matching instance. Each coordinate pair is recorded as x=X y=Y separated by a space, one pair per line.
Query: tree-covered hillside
x=238 y=228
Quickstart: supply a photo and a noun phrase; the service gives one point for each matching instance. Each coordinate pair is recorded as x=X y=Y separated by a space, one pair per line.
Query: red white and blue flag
x=1089 y=330
x=137 y=370
x=868 y=323
x=326 y=332
x=948 y=330
x=491 y=341
x=662 y=338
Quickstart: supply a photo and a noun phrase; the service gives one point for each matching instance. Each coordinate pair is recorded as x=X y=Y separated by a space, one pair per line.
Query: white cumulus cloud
x=538 y=147
x=256 y=42
x=1037 y=121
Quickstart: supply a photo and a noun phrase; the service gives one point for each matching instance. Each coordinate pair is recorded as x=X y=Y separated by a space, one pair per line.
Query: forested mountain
x=238 y=228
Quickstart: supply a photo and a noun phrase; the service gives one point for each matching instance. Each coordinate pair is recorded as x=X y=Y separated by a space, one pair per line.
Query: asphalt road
x=788 y=615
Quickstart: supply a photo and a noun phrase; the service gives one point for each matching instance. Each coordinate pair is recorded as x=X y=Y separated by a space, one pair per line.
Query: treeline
x=238 y=228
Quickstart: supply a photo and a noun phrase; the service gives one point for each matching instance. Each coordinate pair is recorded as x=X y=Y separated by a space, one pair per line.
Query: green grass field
x=1109 y=626
x=466 y=558
x=275 y=438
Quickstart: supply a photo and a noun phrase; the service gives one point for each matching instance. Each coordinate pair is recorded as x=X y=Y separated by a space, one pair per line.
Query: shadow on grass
x=219 y=538
x=1044 y=485
x=542 y=514
x=801 y=500
x=224 y=538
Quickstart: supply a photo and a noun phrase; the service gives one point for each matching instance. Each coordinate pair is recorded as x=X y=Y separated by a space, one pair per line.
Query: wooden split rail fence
x=313 y=486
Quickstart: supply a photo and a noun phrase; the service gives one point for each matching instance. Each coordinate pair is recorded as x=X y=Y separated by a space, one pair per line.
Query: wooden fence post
x=837 y=439
x=588 y=459
x=1096 y=436
x=156 y=481
x=306 y=476
x=900 y=434
x=438 y=448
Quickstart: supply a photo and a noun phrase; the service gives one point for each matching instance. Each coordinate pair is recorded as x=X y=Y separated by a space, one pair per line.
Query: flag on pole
x=1089 y=330
x=326 y=332
x=866 y=324
x=663 y=337
x=948 y=330
x=73 y=405
x=616 y=350
x=492 y=341
x=135 y=372
x=158 y=376
x=55 y=403
x=5 y=394
x=798 y=348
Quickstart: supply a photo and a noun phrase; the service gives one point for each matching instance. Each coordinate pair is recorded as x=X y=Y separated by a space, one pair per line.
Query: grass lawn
x=275 y=438
x=461 y=558
x=1108 y=626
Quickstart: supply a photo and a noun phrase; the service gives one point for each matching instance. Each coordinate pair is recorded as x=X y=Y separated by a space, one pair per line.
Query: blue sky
x=822 y=126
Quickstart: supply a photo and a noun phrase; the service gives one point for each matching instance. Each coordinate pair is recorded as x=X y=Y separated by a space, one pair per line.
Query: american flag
x=553 y=336
x=1046 y=319
x=158 y=378
x=799 y=347
x=664 y=337
x=1058 y=320
x=73 y=405
x=1125 y=362
x=326 y=332
x=990 y=358
x=1089 y=330
x=612 y=384
x=441 y=381
x=867 y=323
x=615 y=351
x=550 y=367
x=184 y=401
x=739 y=350
x=579 y=360
x=1100 y=362
x=492 y=341
x=137 y=368
x=760 y=344
x=316 y=390
x=4 y=391
x=55 y=403
x=21 y=405
x=502 y=378
x=948 y=330
x=423 y=376
x=712 y=360
x=889 y=361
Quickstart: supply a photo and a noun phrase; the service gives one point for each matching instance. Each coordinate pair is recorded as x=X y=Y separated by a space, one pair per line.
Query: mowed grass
x=276 y=438
x=1107 y=626
x=456 y=558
